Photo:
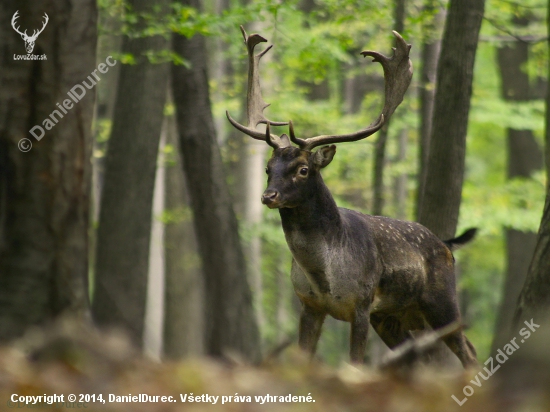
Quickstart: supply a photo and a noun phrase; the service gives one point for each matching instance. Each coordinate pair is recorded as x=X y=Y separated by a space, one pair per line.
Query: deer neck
x=311 y=229
x=318 y=214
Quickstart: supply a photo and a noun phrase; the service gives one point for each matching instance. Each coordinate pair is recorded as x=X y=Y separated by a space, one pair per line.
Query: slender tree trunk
x=230 y=324
x=222 y=70
x=376 y=346
x=445 y=169
x=44 y=193
x=249 y=188
x=431 y=48
x=400 y=181
x=524 y=157
x=254 y=161
x=184 y=283
x=154 y=303
x=440 y=200
x=534 y=299
x=378 y=171
x=314 y=91
x=380 y=147
x=108 y=44
x=124 y=231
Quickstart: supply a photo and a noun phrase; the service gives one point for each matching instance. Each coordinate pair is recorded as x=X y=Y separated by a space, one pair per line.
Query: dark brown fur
x=397 y=275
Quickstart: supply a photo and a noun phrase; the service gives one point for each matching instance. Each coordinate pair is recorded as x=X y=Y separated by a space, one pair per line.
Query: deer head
x=29 y=40
x=290 y=168
x=293 y=176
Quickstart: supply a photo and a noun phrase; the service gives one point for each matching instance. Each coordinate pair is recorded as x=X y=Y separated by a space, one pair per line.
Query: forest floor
x=79 y=364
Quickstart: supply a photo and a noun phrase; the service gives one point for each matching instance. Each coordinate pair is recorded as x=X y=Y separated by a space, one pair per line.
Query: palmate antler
x=255 y=103
x=397 y=75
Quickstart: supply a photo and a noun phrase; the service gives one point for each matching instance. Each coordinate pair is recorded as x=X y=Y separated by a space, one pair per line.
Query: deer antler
x=397 y=74
x=13 y=19
x=255 y=102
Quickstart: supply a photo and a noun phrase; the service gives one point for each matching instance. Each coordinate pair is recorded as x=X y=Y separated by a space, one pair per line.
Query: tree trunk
x=524 y=157
x=124 y=231
x=109 y=43
x=431 y=48
x=400 y=181
x=154 y=302
x=184 y=283
x=44 y=193
x=313 y=91
x=253 y=158
x=249 y=188
x=222 y=73
x=440 y=200
x=445 y=169
x=230 y=324
x=534 y=299
x=380 y=147
x=379 y=165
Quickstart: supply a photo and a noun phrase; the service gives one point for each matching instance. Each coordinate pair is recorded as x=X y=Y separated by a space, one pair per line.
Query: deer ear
x=324 y=156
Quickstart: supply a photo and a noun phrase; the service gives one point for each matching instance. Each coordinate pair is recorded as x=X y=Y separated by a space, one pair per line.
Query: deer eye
x=303 y=171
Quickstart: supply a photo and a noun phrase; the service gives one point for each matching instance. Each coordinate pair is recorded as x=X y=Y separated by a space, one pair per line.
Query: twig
x=523 y=39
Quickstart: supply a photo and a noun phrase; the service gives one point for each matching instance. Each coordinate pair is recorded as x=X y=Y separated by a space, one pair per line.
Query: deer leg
x=389 y=329
x=462 y=348
x=359 y=335
x=309 y=332
x=442 y=311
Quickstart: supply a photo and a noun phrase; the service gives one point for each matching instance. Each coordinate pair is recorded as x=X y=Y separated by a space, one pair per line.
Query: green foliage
x=490 y=200
x=179 y=215
x=480 y=281
x=102 y=131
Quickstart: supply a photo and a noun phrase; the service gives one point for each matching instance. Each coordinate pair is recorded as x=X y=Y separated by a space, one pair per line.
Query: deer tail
x=458 y=242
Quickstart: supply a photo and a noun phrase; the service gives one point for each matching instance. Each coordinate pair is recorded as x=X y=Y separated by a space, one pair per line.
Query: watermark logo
x=29 y=40
x=492 y=366
x=25 y=145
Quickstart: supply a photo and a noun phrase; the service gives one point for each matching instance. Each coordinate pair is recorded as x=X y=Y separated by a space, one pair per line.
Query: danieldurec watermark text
x=76 y=94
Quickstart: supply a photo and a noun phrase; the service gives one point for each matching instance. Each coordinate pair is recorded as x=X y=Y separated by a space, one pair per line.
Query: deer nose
x=269 y=196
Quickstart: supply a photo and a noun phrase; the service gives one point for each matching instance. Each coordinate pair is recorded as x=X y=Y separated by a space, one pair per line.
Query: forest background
x=164 y=235
x=316 y=77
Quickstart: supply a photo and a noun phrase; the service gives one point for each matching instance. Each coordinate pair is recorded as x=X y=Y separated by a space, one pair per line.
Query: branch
x=523 y=39
x=405 y=355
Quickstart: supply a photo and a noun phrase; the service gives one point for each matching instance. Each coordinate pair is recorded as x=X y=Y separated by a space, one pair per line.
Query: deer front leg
x=359 y=335
x=309 y=332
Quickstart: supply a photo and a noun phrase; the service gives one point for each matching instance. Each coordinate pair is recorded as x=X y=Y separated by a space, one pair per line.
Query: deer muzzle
x=270 y=198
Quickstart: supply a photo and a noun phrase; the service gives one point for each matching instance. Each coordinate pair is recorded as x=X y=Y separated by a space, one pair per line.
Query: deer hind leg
x=462 y=348
x=389 y=328
x=311 y=322
x=441 y=311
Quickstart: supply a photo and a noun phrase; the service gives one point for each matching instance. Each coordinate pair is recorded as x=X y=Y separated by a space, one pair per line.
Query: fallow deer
x=358 y=268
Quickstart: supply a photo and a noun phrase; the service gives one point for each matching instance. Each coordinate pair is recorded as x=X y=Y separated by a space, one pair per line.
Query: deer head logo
x=29 y=40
